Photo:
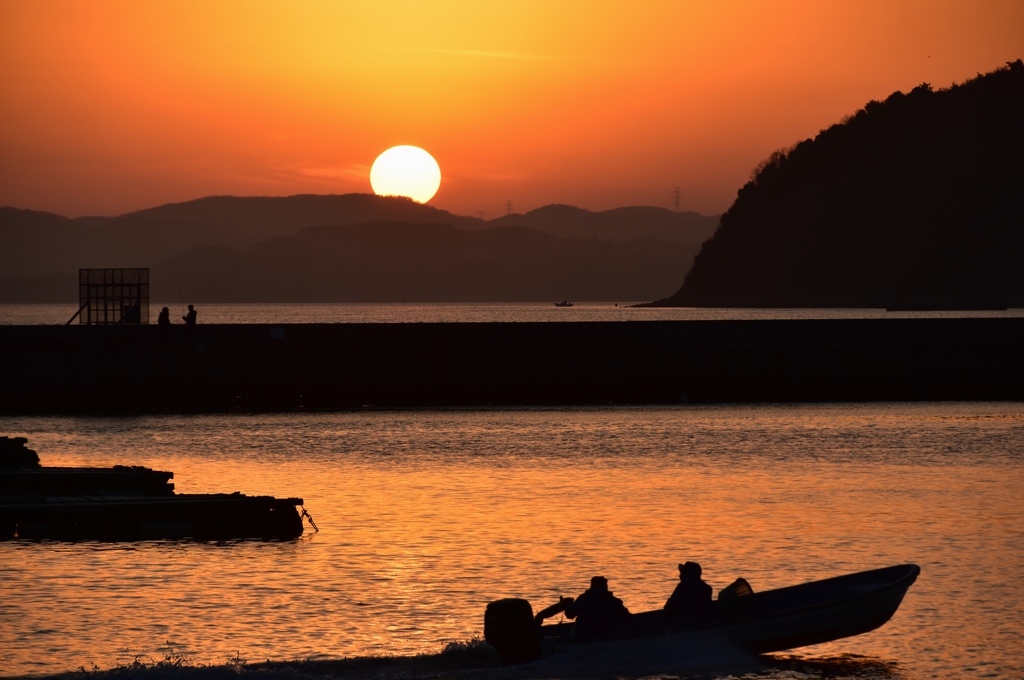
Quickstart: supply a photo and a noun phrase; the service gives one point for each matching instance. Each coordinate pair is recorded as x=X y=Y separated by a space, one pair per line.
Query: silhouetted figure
x=597 y=611
x=190 y=318
x=690 y=603
x=165 y=317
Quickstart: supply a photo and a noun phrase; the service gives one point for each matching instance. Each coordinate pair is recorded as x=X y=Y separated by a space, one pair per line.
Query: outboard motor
x=510 y=628
x=733 y=601
x=735 y=590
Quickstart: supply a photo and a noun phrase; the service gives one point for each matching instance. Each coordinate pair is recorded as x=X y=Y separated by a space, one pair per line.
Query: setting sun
x=406 y=171
x=707 y=361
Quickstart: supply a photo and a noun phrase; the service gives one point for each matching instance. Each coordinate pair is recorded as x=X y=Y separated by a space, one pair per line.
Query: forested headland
x=915 y=202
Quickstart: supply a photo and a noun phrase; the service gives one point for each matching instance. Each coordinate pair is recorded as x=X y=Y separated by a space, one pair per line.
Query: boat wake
x=702 y=658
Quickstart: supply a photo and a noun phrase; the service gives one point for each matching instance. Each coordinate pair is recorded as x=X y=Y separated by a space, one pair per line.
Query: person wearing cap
x=690 y=603
x=597 y=611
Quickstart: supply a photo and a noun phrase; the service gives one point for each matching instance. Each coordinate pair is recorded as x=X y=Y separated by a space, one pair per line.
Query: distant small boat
x=563 y=303
x=770 y=621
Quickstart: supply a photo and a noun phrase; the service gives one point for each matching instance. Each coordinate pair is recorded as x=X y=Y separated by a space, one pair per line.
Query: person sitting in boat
x=597 y=611
x=690 y=603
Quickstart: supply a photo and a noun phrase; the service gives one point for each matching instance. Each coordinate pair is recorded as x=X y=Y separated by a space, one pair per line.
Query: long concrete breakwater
x=95 y=369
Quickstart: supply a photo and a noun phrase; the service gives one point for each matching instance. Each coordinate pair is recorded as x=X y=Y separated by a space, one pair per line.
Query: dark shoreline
x=254 y=367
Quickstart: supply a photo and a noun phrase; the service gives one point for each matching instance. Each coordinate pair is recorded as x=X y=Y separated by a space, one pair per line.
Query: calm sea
x=425 y=516
x=467 y=312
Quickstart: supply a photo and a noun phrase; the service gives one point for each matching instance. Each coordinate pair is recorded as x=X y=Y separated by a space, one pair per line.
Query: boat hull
x=205 y=517
x=772 y=621
x=823 y=623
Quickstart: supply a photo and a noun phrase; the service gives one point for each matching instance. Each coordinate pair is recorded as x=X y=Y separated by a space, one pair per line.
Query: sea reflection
x=426 y=516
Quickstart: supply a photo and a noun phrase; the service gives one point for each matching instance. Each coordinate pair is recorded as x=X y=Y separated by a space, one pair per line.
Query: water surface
x=426 y=516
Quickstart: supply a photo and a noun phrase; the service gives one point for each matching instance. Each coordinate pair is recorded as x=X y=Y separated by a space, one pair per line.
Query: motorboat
x=769 y=621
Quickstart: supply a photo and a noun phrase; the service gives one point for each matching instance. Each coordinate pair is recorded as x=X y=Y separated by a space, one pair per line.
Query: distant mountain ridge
x=250 y=219
x=643 y=222
x=228 y=248
x=33 y=243
x=402 y=262
x=916 y=202
x=36 y=243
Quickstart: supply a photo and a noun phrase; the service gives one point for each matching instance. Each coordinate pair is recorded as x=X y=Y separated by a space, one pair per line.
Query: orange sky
x=112 y=106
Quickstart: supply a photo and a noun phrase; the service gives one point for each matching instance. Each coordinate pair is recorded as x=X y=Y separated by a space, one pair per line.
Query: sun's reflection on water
x=427 y=515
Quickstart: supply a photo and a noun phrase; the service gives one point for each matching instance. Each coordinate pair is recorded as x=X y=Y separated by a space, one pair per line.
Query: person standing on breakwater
x=190 y=318
x=165 y=317
x=690 y=603
x=597 y=611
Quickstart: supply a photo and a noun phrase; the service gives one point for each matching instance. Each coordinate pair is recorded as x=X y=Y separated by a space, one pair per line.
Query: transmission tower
x=508 y=207
x=676 y=198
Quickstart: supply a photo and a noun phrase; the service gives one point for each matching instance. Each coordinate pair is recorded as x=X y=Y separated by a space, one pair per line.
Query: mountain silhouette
x=402 y=262
x=916 y=202
x=213 y=239
x=249 y=219
x=36 y=243
x=619 y=224
x=33 y=243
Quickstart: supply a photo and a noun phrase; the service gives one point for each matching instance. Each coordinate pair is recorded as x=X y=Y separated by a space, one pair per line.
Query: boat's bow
x=820 y=611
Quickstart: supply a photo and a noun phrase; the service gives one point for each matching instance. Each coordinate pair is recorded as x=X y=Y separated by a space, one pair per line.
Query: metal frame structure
x=108 y=297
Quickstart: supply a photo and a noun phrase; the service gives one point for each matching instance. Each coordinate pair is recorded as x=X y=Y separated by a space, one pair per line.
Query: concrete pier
x=110 y=369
